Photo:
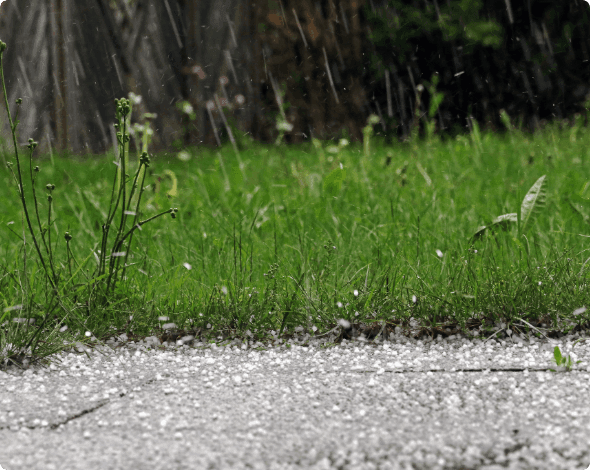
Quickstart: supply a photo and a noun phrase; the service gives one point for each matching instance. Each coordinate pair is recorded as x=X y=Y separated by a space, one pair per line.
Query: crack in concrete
x=516 y=369
x=102 y=403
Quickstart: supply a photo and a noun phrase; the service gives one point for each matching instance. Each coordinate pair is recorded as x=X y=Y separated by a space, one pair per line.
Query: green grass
x=270 y=239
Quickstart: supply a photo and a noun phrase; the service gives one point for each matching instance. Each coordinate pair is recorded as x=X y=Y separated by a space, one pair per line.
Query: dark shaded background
x=338 y=62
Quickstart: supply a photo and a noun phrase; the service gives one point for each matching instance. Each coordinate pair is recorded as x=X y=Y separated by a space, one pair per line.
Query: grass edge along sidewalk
x=40 y=332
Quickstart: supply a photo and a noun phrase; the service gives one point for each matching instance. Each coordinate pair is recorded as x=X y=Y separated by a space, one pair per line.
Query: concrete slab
x=397 y=405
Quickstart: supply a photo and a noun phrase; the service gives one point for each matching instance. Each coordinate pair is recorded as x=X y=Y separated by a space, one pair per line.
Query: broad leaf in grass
x=505 y=219
x=532 y=202
x=502 y=221
x=333 y=181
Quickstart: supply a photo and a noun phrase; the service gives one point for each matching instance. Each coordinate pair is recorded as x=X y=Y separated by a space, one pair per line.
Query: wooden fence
x=69 y=60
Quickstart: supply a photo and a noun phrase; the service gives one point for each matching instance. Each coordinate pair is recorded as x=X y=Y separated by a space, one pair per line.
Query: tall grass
x=97 y=289
x=270 y=240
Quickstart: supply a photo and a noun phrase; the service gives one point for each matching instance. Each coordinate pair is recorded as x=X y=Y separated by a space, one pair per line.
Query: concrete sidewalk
x=396 y=405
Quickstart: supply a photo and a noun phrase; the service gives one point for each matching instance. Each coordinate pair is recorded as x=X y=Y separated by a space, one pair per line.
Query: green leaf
x=502 y=221
x=333 y=181
x=479 y=232
x=435 y=102
x=532 y=202
x=557 y=355
x=174 y=191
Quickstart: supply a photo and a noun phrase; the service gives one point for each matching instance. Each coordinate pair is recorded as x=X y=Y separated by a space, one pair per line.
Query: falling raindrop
x=117 y=70
x=344 y=19
x=300 y=29
x=330 y=75
x=176 y=34
x=388 y=90
x=231 y=65
x=211 y=106
x=231 y=29
x=223 y=80
x=229 y=132
x=25 y=76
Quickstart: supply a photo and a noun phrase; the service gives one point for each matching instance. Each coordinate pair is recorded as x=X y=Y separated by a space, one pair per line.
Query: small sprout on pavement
x=562 y=362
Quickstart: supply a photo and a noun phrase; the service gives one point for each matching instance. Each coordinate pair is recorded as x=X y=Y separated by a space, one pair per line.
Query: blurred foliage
x=458 y=21
x=531 y=59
